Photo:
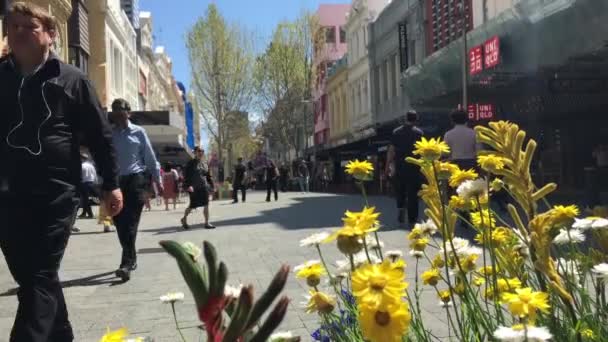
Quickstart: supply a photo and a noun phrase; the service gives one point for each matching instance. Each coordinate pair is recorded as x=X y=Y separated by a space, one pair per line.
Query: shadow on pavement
x=94 y=280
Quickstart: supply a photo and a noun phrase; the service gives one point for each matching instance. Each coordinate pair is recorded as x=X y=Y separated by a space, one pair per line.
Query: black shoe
x=209 y=226
x=75 y=230
x=133 y=267
x=235 y=202
x=185 y=224
x=124 y=274
x=267 y=200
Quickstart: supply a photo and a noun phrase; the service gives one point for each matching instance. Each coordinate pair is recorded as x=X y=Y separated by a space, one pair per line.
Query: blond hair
x=31 y=10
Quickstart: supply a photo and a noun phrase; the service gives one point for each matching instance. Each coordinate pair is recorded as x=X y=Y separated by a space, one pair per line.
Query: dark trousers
x=133 y=189
x=34 y=232
x=235 y=189
x=271 y=185
x=406 y=190
x=86 y=191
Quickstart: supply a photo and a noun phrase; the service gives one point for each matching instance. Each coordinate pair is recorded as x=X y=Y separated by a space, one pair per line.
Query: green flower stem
x=366 y=250
x=331 y=278
x=176 y=324
x=352 y=262
x=364 y=193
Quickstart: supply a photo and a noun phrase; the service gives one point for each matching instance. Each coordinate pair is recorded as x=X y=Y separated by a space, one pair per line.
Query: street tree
x=221 y=56
x=284 y=76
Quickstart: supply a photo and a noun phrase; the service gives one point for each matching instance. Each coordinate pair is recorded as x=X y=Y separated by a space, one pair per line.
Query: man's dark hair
x=167 y=167
x=48 y=21
x=121 y=105
x=411 y=116
x=459 y=117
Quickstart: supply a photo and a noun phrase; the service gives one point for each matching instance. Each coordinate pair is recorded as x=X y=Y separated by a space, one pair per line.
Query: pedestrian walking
x=304 y=176
x=272 y=176
x=462 y=141
x=283 y=176
x=88 y=187
x=170 y=185
x=199 y=184
x=325 y=179
x=136 y=163
x=406 y=176
x=49 y=109
x=239 y=180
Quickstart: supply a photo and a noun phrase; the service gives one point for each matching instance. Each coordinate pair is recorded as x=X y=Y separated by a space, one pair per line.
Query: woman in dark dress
x=199 y=184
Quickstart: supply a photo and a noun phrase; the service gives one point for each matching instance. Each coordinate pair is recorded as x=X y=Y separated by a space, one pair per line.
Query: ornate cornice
x=64 y=7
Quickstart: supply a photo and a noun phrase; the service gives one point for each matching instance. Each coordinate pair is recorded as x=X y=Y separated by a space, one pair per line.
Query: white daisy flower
x=569 y=236
x=462 y=247
x=172 y=297
x=601 y=223
x=233 y=291
x=569 y=269
x=281 y=336
x=506 y=334
x=428 y=227
x=473 y=188
x=416 y=254
x=538 y=334
x=601 y=271
x=393 y=254
x=446 y=305
x=361 y=258
x=583 y=224
x=314 y=240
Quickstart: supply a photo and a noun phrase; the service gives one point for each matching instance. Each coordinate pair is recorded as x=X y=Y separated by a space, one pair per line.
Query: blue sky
x=173 y=18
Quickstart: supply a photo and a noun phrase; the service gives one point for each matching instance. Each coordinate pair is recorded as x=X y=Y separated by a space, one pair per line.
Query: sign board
x=403 y=48
x=491 y=52
x=481 y=111
x=476 y=60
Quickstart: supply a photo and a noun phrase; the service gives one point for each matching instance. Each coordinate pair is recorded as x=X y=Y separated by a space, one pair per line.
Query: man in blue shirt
x=136 y=163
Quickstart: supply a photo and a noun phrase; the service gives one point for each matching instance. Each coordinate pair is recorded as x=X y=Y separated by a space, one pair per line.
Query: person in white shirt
x=87 y=187
x=462 y=142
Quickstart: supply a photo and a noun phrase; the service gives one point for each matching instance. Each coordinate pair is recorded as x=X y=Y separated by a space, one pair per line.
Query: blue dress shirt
x=134 y=151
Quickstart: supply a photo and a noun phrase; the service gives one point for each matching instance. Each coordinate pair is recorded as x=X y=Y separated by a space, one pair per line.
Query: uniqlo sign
x=475 y=60
x=479 y=111
x=491 y=52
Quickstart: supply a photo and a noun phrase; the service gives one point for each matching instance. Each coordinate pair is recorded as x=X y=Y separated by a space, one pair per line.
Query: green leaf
x=190 y=269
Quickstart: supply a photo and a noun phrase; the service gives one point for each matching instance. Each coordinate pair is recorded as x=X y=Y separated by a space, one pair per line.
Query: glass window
x=342 y=35
x=330 y=35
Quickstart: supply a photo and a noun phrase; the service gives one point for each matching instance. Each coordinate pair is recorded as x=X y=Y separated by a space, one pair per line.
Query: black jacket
x=403 y=139
x=198 y=176
x=44 y=119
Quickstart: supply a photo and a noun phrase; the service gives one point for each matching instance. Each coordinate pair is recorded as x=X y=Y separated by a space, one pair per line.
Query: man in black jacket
x=47 y=108
x=239 y=179
x=407 y=181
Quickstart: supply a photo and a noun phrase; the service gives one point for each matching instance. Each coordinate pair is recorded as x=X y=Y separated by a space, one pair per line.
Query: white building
x=362 y=13
x=122 y=74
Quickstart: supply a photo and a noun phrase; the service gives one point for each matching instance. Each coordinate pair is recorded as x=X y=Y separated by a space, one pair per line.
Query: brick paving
x=253 y=239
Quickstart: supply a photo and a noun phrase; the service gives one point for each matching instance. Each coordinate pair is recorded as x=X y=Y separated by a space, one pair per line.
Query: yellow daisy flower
x=506 y=285
x=361 y=170
x=114 y=336
x=431 y=277
x=444 y=296
x=431 y=149
x=311 y=271
x=319 y=302
x=438 y=261
x=387 y=323
x=366 y=220
x=459 y=203
x=496 y=184
x=460 y=176
x=445 y=170
x=415 y=234
x=419 y=244
x=524 y=302
x=498 y=236
x=564 y=214
x=376 y=284
x=491 y=162
x=478 y=281
x=483 y=219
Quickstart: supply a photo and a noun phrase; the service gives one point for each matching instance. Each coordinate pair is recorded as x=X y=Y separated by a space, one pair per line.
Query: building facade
x=397 y=42
x=131 y=8
x=362 y=13
x=331 y=19
x=446 y=21
x=113 y=63
x=338 y=102
x=79 y=48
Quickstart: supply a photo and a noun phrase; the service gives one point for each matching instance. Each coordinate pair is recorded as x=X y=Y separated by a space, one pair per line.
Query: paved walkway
x=253 y=239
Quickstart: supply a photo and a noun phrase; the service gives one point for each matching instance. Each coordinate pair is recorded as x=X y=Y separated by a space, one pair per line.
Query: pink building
x=332 y=18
